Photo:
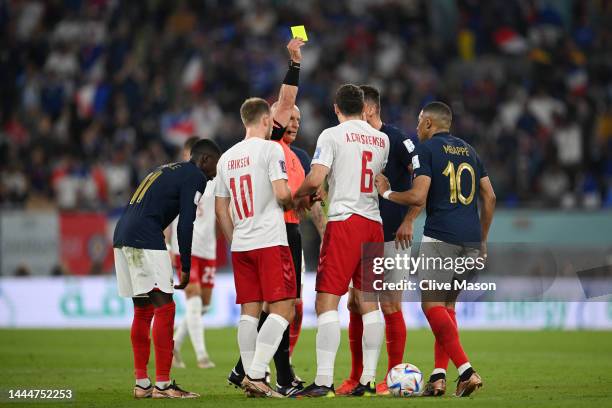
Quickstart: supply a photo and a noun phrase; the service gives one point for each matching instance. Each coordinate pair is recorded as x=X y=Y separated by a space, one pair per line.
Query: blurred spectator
x=96 y=93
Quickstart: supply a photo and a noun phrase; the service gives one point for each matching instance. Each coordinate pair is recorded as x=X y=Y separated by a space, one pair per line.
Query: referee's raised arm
x=281 y=109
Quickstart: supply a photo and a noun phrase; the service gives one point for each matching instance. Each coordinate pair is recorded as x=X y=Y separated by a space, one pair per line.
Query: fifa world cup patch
x=317 y=153
x=409 y=145
x=415 y=162
x=283 y=166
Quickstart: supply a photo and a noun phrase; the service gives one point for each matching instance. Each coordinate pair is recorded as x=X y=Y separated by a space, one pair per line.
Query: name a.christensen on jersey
x=365 y=139
x=433 y=285
x=238 y=163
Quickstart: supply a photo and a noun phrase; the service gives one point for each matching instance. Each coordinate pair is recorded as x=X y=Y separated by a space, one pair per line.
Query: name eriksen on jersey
x=238 y=163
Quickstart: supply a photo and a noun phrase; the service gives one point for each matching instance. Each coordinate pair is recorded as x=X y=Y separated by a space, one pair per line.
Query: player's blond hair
x=252 y=110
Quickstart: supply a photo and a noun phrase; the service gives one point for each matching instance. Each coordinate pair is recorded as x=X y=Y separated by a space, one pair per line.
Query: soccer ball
x=405 y=380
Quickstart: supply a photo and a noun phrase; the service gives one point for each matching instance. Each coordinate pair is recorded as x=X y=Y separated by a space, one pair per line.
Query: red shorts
x=202 y=270
x=341 y=253
x=264 y=274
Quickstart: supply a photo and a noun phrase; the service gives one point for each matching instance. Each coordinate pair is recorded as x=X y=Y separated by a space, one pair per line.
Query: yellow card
x=299 y=32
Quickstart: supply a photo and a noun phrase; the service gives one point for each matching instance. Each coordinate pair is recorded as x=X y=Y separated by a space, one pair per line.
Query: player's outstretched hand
x=382 y=183
x=294 y=49
x=184 y=280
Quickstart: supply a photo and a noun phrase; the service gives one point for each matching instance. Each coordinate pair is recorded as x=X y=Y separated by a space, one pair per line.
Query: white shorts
x=139 y=271
x=394 y=275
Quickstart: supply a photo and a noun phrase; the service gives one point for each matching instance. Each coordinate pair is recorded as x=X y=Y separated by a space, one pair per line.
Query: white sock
x=268 y=339
x=247 y=336
x=180 y=333
x=328 y=341
x=143 y=382
x=373 y=334
x=463 y=367
x=162 y=384
x=193 y=316
x=438 y=371
x=205 y=309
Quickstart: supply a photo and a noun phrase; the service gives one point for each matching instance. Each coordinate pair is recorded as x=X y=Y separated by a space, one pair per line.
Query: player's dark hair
x=204 y=147
x=439 y=110
x=190 y=142
x=371 y=95
x=252 y=109
x=349 y=99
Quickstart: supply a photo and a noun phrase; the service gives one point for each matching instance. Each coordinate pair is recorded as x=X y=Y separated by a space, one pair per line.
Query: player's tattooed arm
x=281 y=111
x=415 y=196
x=487 y=196
x=318 y=218
x=224 y=218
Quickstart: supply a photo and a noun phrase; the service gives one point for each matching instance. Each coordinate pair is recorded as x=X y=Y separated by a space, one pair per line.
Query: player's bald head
x=439 y=113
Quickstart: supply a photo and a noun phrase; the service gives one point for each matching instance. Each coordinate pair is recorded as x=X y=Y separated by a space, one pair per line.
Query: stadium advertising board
x=93 y=302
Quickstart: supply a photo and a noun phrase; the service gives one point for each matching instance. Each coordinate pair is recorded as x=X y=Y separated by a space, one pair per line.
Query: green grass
x=548 y=368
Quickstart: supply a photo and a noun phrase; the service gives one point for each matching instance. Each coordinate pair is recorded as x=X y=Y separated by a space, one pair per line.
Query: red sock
x=296 y=326
x=163 y=328
x=395 y=330
x=355 y=334
x=440 y=356
x=141 y=342
x=446 y=334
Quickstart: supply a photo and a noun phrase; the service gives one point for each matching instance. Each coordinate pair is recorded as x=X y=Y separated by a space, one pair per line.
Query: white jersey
x=245 y=174
x=204 y=243
x=355 y=153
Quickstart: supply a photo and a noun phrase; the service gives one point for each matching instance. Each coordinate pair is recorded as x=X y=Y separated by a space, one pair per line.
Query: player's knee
x=352 y=304
x=192 y=290
x=141 y=301
x=159 y=298
x=390 y=307
x=425 y=306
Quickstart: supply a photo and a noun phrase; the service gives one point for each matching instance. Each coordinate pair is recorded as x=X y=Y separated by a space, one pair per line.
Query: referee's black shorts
x=294 y=238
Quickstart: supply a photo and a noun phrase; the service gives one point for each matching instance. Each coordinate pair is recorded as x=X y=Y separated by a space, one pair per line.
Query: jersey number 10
x=454 y=178
x=246 y=190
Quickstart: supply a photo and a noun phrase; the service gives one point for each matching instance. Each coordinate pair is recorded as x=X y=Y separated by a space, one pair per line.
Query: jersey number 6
x=246 y=189
x=367 y=175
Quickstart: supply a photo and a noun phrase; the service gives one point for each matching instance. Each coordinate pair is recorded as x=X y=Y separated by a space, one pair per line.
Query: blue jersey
x=168 y=191
x=401 y=148
x=452 y=202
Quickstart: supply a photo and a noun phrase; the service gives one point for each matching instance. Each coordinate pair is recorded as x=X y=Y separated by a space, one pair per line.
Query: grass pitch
x=549 y=368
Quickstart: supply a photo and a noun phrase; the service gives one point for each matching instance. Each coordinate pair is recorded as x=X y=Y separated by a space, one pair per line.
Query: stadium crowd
x=97 y=92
